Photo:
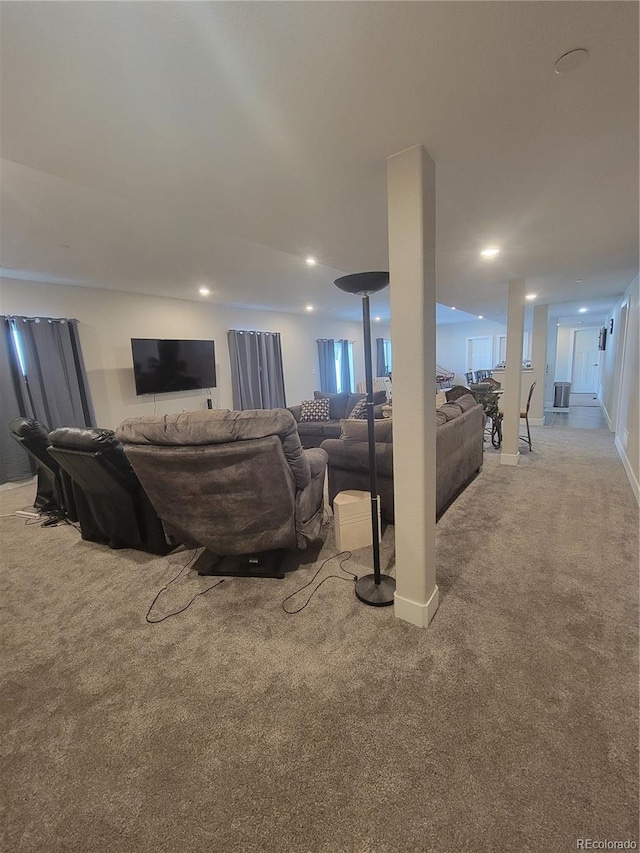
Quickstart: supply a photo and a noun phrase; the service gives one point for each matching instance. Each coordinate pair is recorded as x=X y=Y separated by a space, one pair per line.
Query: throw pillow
x=359 y=411
x=467 y=402
x=314 y=410
x=451 y=411
x=441 y=399
x=337 y=403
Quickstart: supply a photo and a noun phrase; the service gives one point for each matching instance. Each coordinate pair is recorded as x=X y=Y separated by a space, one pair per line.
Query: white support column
x=513 y=374
x=412 y=223
x=539 y=364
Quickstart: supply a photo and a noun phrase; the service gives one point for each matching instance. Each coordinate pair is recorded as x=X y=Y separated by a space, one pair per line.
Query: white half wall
x=109 y=319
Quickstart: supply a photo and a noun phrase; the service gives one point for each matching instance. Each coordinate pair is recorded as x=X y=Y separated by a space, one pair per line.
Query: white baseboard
x=509 y=458
x=536 y=421
x=607 y=418
x=628 y=469
x=415 y=613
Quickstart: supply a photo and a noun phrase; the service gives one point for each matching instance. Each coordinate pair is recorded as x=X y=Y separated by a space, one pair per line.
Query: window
x=502 y=348
x=344 y=373
x=387 y=356
x=18 y=347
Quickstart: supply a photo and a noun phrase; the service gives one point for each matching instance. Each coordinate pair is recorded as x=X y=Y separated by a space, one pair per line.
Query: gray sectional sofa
x=459 y=452
x=313 y=433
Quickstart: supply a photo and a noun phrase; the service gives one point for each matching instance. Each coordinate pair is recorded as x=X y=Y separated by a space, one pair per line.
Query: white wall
x=620 y=396
x=109 y=319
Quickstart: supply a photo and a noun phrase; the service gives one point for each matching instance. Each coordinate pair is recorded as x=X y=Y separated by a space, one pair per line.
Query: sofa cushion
x=440 y=418
x=451 y=411
x=359 y=411
x=466 y=402
x=312 y=427
x=441 y=399
x=314 y=410
x=331 y=429
x=357 y=430
x=337 y=403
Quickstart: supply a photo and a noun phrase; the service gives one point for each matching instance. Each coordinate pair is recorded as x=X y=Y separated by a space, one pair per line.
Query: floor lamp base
x=377 y=595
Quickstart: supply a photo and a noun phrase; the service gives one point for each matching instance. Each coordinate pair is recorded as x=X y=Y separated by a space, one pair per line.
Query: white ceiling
x=174 y=144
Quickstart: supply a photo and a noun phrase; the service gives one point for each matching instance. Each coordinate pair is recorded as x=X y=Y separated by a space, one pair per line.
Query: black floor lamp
x=376 y=589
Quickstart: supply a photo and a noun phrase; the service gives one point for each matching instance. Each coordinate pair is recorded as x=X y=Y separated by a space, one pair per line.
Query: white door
x=586 y=358
x=480 y=353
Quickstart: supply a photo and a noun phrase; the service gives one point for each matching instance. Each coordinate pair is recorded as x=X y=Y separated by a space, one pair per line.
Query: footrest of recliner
x=266 y=564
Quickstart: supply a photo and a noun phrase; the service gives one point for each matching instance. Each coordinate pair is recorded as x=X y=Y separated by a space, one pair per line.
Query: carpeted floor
x=509 y=725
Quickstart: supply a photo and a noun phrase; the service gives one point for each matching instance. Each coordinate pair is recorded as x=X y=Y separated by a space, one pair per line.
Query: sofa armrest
x=317 y=459
x=354 y=455
x=296 y=411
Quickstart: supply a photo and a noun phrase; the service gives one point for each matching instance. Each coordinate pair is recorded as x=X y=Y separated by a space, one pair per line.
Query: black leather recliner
x=113 y=508
x=54 y=493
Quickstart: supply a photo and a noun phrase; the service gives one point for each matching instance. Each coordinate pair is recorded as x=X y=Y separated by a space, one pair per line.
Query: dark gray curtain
x=14 y=462
x=381 y=365
x=327 y=363
x=56 y=390
x=345 y=366
x=257 y=376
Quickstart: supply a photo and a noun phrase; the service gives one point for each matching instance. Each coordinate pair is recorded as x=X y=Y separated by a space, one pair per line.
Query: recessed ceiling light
x=531 y=296
x=204 y=291
x=308 y=308
x=557 y=324
x=311 y=261
x=582 y=310
x=579 y=280
x=571 y=60
x=453 y=308
x=490 y=252
x=480 y=317
x=377 y=319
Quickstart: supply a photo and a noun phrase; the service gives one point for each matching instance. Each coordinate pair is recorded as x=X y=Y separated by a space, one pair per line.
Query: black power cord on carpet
x=354 y=578
x=172 y=581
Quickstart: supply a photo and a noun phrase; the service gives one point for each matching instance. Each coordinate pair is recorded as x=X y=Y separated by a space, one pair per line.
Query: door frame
x=573 y=349
x=624 y=307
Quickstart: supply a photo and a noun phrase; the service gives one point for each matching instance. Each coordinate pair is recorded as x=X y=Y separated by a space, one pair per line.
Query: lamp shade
x=363 y=282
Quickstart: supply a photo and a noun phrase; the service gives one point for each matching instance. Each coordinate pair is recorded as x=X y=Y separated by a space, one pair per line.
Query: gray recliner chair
x=237 y=483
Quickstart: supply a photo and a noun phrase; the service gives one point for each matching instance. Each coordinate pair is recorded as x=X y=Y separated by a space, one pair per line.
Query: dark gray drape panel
x=257 y=376
x=57 y=388
x=14 y=462
x=381 y=365
x=327 y=364
x=345 y=367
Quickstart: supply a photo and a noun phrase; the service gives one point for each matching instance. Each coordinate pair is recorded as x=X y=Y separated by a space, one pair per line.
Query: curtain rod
x=40 y=319
x=252 y=332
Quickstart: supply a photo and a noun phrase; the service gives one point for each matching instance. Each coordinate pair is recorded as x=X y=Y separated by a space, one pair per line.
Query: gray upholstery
x=313 y=433
x=234 y=482
x=459 y=452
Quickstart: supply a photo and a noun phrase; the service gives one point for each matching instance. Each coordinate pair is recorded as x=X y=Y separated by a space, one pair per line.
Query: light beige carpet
x=509 y=725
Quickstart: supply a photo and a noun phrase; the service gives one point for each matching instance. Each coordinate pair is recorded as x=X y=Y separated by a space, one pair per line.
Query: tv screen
x=160 y=366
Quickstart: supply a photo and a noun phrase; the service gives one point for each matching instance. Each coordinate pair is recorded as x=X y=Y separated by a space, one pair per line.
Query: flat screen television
x=160 y=366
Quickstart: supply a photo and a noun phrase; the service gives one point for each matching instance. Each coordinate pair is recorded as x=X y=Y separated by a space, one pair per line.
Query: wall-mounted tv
x=161 y=366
